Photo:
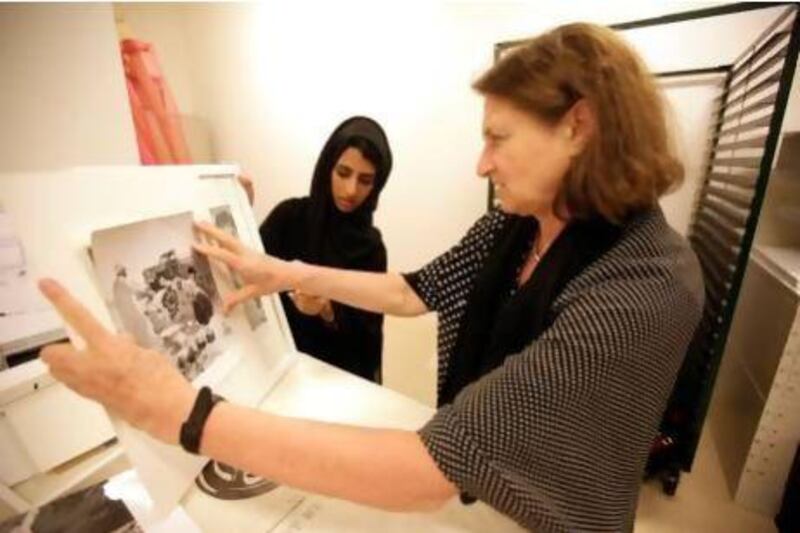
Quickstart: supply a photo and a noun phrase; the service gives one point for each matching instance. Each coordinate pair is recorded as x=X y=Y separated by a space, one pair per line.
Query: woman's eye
x=366 y=182
x=343 y=172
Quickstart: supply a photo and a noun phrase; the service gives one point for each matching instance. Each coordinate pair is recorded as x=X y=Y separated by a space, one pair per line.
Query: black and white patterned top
x=557 y=436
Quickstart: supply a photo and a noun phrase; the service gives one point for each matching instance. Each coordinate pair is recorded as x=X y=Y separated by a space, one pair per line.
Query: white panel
x=737 y=410
x=775 y=442
x=55 y=425
x=15 y=464
x=690 y=112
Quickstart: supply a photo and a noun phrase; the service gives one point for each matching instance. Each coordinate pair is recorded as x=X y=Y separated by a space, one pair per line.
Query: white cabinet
x=756 y=410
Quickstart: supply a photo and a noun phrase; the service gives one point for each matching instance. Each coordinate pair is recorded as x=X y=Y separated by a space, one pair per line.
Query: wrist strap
x=192 y=428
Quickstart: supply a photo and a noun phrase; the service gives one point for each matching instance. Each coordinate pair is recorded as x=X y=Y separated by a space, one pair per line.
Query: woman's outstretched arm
x=378 y=292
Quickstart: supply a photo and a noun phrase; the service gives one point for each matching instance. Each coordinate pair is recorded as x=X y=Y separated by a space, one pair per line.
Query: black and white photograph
x=86 y=510
x=161 y=291
x=253 y=308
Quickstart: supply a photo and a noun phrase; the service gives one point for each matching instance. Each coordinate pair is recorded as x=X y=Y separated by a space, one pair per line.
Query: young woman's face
x=352 y=179
x=525 y=158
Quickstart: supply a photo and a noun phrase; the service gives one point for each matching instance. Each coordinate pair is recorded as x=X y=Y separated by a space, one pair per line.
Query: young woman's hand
x=140 y=386
x=306 y=303
x=312 y=305
x=261 y=274
x=246 y=181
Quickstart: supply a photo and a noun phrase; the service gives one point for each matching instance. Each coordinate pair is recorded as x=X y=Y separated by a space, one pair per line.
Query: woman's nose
x=485 y=165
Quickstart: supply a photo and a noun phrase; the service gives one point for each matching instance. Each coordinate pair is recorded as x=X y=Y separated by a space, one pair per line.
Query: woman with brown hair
x=563 y=316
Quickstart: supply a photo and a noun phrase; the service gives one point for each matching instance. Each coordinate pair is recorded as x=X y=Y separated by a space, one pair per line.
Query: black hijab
x=345 y=239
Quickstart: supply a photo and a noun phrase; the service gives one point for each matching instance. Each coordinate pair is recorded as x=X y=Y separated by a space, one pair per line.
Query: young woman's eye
x=343 y=172
x=366 y=182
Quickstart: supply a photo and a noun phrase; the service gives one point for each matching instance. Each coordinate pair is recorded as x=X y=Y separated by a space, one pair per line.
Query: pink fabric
x=155 y=115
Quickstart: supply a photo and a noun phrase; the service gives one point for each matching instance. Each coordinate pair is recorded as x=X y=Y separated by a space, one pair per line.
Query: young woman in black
x=332 y=226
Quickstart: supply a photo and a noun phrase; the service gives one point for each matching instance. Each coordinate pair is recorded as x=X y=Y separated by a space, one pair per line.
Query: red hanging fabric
x=155 y=114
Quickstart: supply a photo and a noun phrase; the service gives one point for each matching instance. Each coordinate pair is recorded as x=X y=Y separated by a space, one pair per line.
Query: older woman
x=564 y=317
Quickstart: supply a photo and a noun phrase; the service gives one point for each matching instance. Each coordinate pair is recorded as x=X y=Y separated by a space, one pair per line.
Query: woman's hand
x=261 y=274
x=140 y=386
x=246 y=181
x=312 y=305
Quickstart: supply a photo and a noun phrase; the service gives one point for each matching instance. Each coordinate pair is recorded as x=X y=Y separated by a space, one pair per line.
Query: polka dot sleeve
x=448 y=278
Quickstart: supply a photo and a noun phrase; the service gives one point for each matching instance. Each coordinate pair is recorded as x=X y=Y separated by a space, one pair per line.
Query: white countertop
x=315 y=390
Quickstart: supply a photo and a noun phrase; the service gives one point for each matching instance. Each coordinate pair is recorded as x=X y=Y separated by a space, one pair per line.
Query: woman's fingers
x=75 y=314
x=221 y=254
x=232 y=299
x=227 y=241
x=59 y=356
x=67 y=365
x=298 y=301
x=307 y=304
x=309 y=300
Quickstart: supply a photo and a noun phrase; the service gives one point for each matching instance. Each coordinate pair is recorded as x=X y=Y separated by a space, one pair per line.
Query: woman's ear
x=579 y=124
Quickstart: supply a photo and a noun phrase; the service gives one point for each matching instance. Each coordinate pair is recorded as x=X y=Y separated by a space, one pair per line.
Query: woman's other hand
x=261 y=274
x=312 y=305
x=140 y=386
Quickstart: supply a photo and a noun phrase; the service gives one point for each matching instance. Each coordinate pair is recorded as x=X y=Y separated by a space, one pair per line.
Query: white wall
x=303 y=73
x=274 y=80
x=63 y=100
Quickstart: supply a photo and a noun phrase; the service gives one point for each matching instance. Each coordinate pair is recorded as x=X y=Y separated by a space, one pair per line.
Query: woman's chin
x=519 y=208
x=506 y=207
x=345 y=208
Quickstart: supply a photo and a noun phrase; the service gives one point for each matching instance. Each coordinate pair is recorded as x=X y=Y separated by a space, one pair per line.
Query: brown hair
x=628 y=161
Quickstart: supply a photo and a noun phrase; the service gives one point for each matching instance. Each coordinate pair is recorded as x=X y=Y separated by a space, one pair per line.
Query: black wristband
x=192 y=429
